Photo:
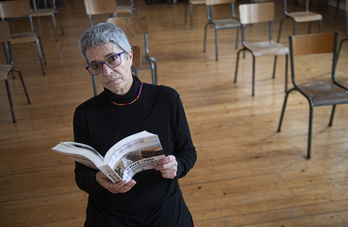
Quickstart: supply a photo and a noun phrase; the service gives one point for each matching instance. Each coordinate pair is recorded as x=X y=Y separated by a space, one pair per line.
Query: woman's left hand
x=168 y=166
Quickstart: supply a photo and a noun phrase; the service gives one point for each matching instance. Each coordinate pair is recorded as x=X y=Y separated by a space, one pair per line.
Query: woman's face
x=118 y=80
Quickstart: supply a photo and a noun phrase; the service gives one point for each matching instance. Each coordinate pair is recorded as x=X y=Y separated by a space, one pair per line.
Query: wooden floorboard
x=246 y=174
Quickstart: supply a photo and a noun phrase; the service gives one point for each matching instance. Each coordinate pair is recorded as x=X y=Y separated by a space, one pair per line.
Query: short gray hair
x=103 y=33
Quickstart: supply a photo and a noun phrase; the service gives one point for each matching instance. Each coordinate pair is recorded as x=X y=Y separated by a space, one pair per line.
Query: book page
x=81 y=153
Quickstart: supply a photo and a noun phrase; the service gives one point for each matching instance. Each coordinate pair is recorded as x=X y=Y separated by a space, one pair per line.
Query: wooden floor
x=246 y=174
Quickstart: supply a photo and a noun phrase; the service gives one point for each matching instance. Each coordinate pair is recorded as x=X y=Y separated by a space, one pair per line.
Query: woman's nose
x=106 y=69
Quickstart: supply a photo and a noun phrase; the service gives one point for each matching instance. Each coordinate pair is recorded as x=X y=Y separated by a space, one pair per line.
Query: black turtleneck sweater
x=153 y=201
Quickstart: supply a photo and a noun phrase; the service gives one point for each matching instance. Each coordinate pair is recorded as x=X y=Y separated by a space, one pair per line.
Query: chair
x=300 y=17
x=100 y=7
x=4 y=70
x=260 y=13
x=345 y=39
x=48 y=12
x=192 y=3
x=134 y=27
x=220 y=24
x=318 y=92
x=20 y=9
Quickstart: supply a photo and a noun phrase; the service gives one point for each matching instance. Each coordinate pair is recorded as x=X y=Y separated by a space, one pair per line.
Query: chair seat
x=304 y=16
x=23 y=37
x=324 y=93
x=266 y=48
x=42 y=12
x=124 y=9
x=197 y=2
x=4 y=69
x=226 y=23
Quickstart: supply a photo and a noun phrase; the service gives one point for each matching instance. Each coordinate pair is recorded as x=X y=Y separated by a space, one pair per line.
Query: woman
x=127 y=106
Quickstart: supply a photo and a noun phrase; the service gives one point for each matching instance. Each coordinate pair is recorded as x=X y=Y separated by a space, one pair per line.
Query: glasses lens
x=95 y=68
x=113 y=61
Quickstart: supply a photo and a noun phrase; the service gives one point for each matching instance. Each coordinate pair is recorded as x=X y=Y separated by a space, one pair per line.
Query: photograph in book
x=135 y=153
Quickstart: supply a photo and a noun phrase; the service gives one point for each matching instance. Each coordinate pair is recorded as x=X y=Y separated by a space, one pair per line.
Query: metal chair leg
x=283 y=109
x=23 y=84
x=332 y=115
x=237 y=63
x=10 y=101
x=309 y=144
x=95 y=89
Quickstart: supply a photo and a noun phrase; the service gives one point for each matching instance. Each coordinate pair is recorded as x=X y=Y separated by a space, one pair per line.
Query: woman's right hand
x=120 y=187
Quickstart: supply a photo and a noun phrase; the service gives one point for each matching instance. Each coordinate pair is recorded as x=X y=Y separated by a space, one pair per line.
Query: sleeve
x=85 y=177
x=184 y=150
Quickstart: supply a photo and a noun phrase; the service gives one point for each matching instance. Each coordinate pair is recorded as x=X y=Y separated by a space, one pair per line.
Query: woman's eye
x=113 y=58
x=95 y=66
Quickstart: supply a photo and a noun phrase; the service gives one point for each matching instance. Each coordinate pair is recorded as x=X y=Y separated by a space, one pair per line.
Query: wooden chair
x=4 y=70
x=190 y=4
x=100 y=7
x=318 y=91
x=260 y=13
x=345 y=39
x=134 y=27
x=48 y=12
x=220 y=24
x=300 y=17
x=20 y=9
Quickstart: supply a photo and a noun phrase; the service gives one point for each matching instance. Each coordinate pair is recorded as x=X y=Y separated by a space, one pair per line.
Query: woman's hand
x=168 y=166
x=120 y=187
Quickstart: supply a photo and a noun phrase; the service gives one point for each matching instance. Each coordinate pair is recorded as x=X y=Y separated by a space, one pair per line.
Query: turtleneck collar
x=130 y=96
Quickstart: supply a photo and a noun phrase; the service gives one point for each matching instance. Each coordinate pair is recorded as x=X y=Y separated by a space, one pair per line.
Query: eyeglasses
x=113 y=61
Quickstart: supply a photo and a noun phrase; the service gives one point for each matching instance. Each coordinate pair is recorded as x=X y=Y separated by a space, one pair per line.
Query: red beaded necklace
x=125 y=104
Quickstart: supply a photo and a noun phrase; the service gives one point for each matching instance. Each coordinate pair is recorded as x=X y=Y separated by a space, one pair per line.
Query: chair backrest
x=137 y=25
x=136 y=56
x=52 y=5
x=134 y=27
x=316 y=43
x=256 y=12
x=98 y=7
x=14 y=9
x=313 y=44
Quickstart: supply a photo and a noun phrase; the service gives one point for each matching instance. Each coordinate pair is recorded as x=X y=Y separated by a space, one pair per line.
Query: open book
x=135 y=153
